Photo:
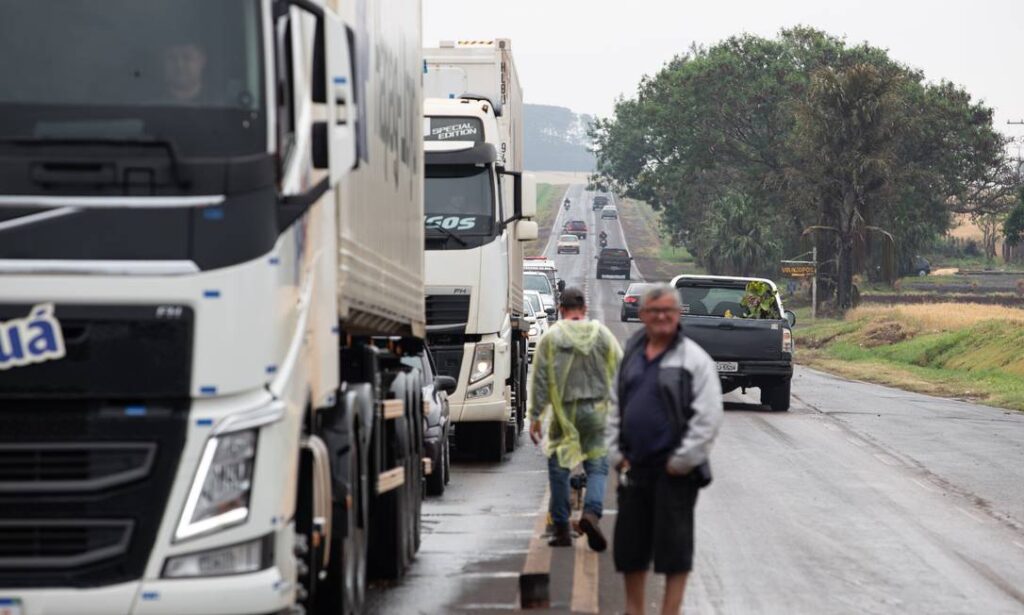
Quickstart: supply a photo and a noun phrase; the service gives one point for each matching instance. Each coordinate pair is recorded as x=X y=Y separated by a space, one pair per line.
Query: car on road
x=609 y=212
x=749 y=351
x=613 y=261
x=437 y=426
x=546 y=266
x=538 y=325
x=568 y=244
x=539 y=282
x=599 y=202
x=576 y=227
x=922 y=266
x=630 y=309
x=537 y=304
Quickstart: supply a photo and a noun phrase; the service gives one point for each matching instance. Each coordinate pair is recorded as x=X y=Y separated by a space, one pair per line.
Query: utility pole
x=814 y=285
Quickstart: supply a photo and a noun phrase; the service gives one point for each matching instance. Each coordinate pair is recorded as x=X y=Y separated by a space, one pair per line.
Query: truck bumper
x=260 y=592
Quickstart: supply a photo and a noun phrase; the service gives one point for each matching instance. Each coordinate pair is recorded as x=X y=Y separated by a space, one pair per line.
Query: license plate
x=728 y=366
x=10 y=606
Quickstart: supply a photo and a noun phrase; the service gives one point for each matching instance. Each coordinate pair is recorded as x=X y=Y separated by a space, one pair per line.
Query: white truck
x=478 y=211
x=202 y=403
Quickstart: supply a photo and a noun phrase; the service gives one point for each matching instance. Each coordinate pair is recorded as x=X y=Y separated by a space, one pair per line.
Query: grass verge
x=953 y=350
x=549 y=196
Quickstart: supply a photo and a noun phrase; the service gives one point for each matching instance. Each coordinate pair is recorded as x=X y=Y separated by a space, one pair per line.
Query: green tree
x=1013 y=228
x=752 y=116
x=738 y=241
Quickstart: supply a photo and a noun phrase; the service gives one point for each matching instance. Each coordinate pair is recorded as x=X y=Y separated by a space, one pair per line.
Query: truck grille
x=70 y=467
x=83 y=488
x=104 y=343
x=448 y=360
x=31 y=544
x=447 y=313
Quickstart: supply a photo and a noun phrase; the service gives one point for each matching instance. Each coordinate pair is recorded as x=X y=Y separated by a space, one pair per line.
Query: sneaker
x=562 y=536
x=590 y=525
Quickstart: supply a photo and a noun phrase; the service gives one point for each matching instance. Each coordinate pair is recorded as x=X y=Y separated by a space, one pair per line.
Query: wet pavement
x=861 y=499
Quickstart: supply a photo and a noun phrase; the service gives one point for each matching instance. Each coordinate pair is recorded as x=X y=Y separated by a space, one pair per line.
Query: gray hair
x=657 y=291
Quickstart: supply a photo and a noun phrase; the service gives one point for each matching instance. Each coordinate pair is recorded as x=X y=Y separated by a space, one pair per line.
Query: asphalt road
x=860 y=499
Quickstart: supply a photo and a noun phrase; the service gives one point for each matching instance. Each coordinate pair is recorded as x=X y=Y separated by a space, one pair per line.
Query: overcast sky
x=582 y=54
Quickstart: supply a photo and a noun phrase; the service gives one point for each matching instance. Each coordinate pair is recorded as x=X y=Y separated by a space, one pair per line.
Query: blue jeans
x=558 y=477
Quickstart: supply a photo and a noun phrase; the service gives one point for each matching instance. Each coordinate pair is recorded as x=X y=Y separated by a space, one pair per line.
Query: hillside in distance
x=555 y=139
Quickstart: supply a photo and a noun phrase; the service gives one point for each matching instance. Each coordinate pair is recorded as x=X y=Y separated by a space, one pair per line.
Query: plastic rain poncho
x=574 y=368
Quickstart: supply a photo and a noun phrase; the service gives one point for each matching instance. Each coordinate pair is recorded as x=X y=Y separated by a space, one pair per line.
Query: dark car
x=436 y=419
x=631 y=301
x=599 y=202
x=614 y=261
x=576 y=227
x=748 y=351
x=922 y=266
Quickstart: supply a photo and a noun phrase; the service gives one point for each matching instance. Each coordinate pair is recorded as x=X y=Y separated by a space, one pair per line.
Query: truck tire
x=438 y=479
x=390 y=530
x=776 y=396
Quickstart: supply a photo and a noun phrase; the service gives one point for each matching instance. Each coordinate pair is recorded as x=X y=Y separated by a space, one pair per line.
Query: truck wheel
x=511 y=437
x=437 y=479
x=777 y=396
x=390 y=531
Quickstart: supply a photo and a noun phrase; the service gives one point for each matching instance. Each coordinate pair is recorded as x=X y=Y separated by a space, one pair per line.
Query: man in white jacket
x=669 y=402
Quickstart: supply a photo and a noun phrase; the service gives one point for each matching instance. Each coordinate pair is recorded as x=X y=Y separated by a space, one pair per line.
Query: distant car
x=436 y=419
x=599 y=202
x=568 y=244
x=609 y=212
x=614 y=261
x=576 y=227
x=537 y=281
x=536 y=328
x=547 y=267
x=630 y=309
x=922 y=266
x=537 y=303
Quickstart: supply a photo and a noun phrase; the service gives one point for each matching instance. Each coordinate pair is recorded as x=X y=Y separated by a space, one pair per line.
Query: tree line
x=756 y=149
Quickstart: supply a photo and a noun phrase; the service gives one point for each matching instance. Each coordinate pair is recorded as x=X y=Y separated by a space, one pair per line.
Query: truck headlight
x=484 y=391
x=787 y=341
x=251 y=556
x=219 y=496
x=483 y=362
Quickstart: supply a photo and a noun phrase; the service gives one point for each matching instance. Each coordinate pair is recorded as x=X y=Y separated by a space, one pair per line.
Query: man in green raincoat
x=574 y=367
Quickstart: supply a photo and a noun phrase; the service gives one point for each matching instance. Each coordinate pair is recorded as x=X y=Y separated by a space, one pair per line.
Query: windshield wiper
x=451 y=235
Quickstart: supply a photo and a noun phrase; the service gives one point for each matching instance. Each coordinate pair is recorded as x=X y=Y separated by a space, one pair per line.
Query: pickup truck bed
x=749 y=352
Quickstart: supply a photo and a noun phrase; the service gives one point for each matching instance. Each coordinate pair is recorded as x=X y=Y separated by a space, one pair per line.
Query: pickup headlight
x=787 y=340
x=483 y=362
x=251 y=556
x=219 y=496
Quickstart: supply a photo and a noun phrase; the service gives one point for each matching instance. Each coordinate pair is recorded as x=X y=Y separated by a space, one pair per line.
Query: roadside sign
x=798 y=269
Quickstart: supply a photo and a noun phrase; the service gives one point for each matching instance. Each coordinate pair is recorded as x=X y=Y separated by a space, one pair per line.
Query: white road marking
x=927 y=486
x=888 y=460
x=855 y=441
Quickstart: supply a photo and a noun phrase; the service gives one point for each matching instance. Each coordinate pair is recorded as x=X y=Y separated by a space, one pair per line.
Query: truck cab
x=474 y=321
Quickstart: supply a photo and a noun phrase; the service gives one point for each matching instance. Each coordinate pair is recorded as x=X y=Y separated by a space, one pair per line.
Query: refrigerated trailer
x=202 y=403
x=478 y=213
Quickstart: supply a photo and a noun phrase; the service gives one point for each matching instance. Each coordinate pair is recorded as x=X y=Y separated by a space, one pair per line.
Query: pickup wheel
x=777 y=396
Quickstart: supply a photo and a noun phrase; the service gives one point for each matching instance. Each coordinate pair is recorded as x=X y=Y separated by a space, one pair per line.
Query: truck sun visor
x=480 y=153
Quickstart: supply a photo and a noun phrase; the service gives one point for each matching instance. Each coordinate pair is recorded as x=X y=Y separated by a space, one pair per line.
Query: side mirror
x=621 y=293
x=791 y=317
x=446 y=384
x=529 y=206
x=527 y=230
x=561 y=285
x=550 y=311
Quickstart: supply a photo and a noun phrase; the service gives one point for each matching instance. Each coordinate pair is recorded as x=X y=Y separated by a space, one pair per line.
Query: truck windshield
x=186 y=71
x=460 y=199
x=702 y=300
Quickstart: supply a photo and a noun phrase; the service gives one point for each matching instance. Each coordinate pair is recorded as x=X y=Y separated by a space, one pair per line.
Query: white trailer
x=478 y=209
x=201 y=314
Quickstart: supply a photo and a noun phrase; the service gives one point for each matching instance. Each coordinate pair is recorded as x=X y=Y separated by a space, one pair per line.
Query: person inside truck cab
x=183 y=65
